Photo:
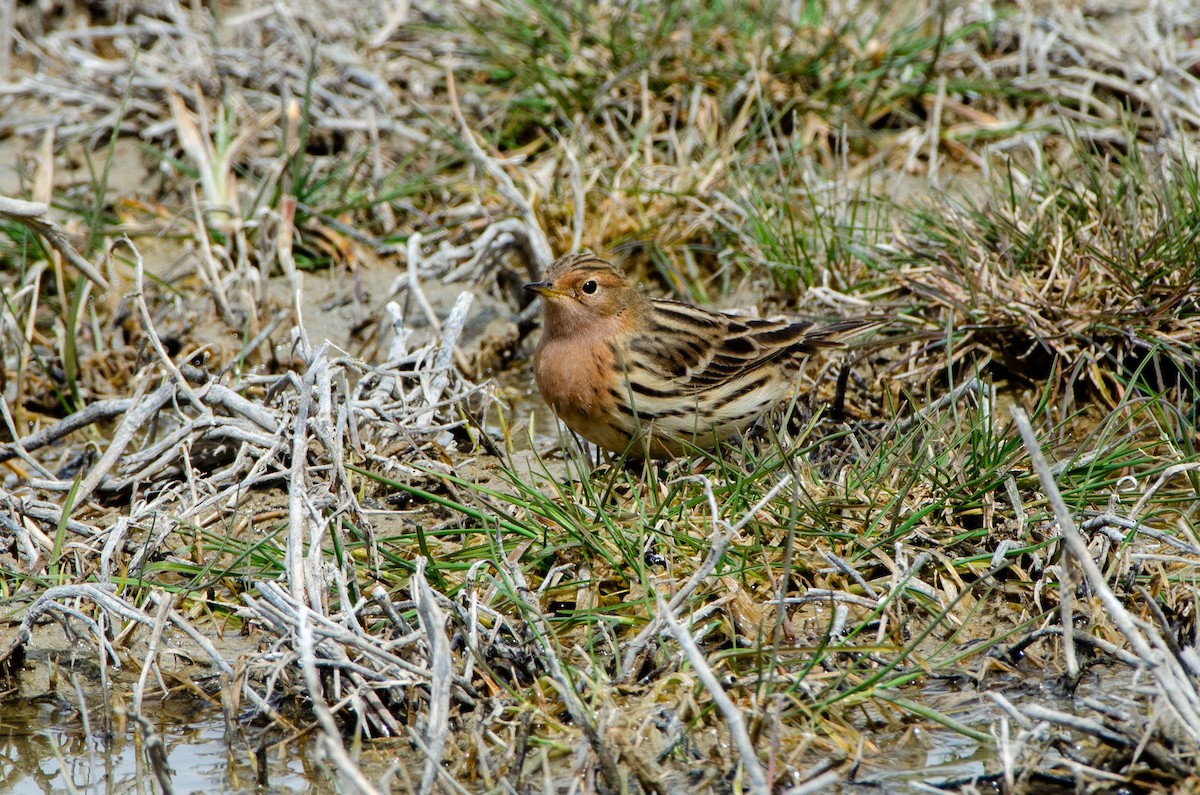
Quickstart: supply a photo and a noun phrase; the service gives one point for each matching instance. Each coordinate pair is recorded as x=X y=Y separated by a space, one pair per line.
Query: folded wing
x=698 y=371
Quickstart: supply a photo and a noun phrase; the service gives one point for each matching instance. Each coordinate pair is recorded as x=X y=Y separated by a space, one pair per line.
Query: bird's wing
x=693 y=367
x=687 y=349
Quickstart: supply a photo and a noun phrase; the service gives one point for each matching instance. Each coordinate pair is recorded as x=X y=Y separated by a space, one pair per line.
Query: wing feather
x=696 y=368
x=693 y=349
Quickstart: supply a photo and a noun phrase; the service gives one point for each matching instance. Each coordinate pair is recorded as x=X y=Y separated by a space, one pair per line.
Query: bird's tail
x=835 y=335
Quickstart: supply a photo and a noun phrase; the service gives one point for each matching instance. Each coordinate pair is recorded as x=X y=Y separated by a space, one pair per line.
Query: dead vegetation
x=188 y=456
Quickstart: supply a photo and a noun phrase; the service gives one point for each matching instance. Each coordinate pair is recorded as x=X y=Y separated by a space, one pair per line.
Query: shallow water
x=924 y=757
x=920 y=758
x=44 y=749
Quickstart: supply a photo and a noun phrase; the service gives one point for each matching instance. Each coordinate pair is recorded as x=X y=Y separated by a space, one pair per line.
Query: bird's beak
x=545 y=289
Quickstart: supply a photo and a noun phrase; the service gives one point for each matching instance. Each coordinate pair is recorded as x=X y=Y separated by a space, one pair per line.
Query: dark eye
x=590 y=287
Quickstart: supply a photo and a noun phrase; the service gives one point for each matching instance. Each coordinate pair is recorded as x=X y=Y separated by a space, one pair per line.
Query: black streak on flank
x=746 y=389
x=628 y=406
x=623 y=405
x=646 y=391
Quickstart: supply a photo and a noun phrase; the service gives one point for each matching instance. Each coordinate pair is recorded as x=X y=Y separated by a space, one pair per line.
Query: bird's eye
x=590 y=287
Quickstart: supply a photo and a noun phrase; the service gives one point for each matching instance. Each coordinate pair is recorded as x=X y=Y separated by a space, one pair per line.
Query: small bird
x=652 y=378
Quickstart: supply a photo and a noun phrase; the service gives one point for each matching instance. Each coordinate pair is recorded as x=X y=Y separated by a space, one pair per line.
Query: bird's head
x=581 y=291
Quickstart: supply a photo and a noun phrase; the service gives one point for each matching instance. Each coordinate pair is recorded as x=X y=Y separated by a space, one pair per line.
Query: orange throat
x=577 y=374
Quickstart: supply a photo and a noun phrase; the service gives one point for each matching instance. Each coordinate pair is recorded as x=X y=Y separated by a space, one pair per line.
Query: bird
x=653 y=378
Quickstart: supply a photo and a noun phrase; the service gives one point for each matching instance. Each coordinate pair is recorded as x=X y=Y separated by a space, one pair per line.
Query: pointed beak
x=544 y=289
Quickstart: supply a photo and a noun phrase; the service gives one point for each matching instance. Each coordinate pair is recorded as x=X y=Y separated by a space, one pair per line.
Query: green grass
x=930 y=485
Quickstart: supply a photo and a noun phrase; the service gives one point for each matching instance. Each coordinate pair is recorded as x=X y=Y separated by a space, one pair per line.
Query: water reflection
x=43 y=749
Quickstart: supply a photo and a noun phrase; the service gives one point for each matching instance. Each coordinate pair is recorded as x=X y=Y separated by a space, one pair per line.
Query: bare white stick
x=296 y=485
x=733 y=716
x=566 y=691
x=148 y=321
x=822 y=783
x=6 y=37
x=722 y=535
x=29 y=215
x=539 y=246
x=436 y=384
x=1174 y=684
x=330 y=735
x=433 y=624
x=151 y=660
x=130 y=425
x=103 y=597
x=413 y=263
x=578 y=195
